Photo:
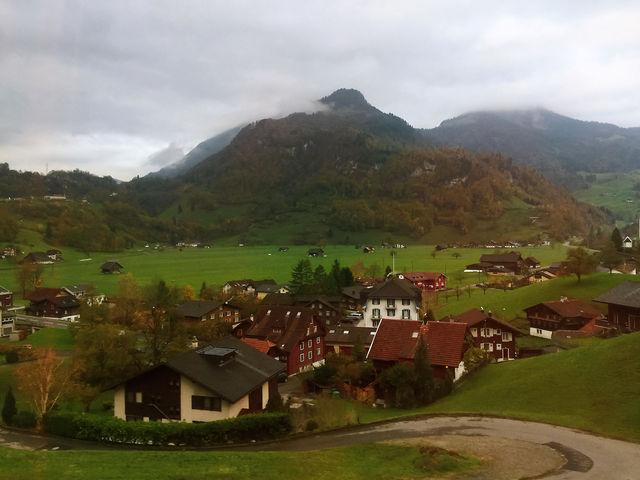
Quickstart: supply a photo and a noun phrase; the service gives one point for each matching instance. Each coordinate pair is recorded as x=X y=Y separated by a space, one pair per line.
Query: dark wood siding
x=155 y=394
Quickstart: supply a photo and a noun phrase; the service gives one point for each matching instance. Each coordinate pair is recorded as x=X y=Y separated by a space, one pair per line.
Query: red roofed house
x=396 y=341
x=490 y=333
x=433 y=281
x=565 y=314
x=296 y=332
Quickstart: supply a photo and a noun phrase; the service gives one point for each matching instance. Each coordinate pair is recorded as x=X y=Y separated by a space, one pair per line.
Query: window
x=317 y=351
x=538 y=331
x=474 y=332
x=391 y=312
x=485 y=332
x=391 y=302
x=301 y=345
x=406 y=301
x=131 y=396
x=498 y=346
x=310 y=354
x=301 y=357
x=375 y=313
x=506 y=337
x=375 y=301
x=406 y=313
x=229 y=313
x=199 y=402
x=317 y=339
x=308 y=331
x=138 y=397
x=310 y=343
x=375 y=321
x=315 y=328
x=498 y=331
x=327 y=313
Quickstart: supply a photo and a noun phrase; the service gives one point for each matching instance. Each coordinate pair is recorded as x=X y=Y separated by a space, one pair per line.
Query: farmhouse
x=623 y=305
x=239 y=287
x=85 y=292
x=52 y=302
x=565 y=314
x=6 y=298
x=507 y=263
x=297 y=332
x=111 y=267
x=394 y=298
x=200 y=311
x=490 y=333
x=222 y=380
x=40 y=258
x=396 y=341
x=432 y=281
x=341 y=339
x=315 y=252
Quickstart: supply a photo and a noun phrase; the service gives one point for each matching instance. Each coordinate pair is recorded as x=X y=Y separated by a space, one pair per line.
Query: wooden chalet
x=489 y=333
x=623 y=306
x=222 y=380
x=510 y=263
x=6 y=298
x=195 y=311
x=111 y=268
x=52 y=302
x=565 y=314
x=40 y=258
x=297 y=332
x=396 y=341
x=431 y=281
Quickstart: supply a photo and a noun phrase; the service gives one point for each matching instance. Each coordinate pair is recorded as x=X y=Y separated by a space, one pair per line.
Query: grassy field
x=386 y=462
x=219 y=264
x=55 y=338
x=614 y=191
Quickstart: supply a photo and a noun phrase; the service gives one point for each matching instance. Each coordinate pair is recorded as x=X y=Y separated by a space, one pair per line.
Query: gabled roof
x=244 y=368
x=284 y=325
x=197 y=308
x=570 y=308
x=260 y=345
x=391 y=338
x=394 y=288
x=277 y=299
x=627 y=294
x=349 y=335
x=4 y=291
x=56 y=296
x=354 y=291
x=37 y=257
x=77 y=290
x=422 y=276
x=501 y=257
x=476 y=317
x=240 y=283
x=110 y=266
x=445 y=343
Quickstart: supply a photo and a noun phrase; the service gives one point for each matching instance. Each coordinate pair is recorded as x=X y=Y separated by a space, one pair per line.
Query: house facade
x=341 y=339
x=510 y=263
x=221 y=380
x=297 y=332
x=430 y=281
x=6 y=298
x=565 y=314
x=195 y=311
x=623 y=306
x=491 y=334
x=53 y=302
x=394 y=299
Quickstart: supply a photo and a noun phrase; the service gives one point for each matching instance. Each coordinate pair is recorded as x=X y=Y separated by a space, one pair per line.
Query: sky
x=123 y=88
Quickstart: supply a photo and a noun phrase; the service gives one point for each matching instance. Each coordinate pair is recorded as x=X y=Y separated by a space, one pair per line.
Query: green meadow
x=615 y=191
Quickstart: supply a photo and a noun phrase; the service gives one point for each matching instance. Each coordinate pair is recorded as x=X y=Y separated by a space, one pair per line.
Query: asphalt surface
x=587 y=456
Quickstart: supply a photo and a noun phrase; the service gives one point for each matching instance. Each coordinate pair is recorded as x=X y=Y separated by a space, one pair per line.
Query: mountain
x=200 y=152
x=556 y=145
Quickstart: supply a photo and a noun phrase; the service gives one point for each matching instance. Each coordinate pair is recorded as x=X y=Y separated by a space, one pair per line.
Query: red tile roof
x=569 y=308
x=260 y=345
x=391 y=337
x=421 y=276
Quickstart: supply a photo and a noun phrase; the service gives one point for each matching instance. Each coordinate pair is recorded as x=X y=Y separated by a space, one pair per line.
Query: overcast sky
x=121 y=88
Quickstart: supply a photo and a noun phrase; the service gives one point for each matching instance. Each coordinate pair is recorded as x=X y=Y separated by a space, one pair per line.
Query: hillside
x=556 y=145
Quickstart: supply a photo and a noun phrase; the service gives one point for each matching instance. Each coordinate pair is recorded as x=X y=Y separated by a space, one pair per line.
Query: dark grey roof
x=394 y=288
x=77 y=289
x=233 y=378
x=110 y=265
x=349 y=335
x=4 y=291
x=626 y=294
x=197 y=308
x=500 y=257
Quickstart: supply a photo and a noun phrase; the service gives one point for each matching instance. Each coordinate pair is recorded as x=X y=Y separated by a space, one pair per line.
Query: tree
x=320 y=279
x=301 y=277
x=580 y=262
x=423 y=374
x=9 y=409
x=357 y=269
x=609 y=257
x=29 y=276
x=44 y=381
x=616 y=238
x=128 y=301
x=188 y=293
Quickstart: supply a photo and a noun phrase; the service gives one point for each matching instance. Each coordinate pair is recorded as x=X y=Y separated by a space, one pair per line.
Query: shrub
x=275 y=404
x=9 y=408
x=12 y=356
x=311 y=425
x=25 y=419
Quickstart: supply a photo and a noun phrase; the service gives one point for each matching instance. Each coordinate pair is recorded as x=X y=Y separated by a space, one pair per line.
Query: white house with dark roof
x=394 y=298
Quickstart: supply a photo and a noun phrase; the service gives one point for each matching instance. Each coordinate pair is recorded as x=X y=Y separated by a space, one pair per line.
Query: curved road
x=588 y=456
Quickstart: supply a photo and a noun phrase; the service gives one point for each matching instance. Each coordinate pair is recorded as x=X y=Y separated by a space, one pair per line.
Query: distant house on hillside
x=111 y=268
x=199 y=311
x=507 y=263
x=623 y=304
x=40 y=258
x=315 y=252
x=430 y=281
x=565 y=314
x=52 y=302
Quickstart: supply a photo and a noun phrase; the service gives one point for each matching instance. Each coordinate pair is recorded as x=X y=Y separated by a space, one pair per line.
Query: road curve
x=588 y=456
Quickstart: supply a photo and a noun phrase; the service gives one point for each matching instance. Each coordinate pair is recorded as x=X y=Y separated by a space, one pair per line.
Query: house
x=111 y=267
x=239 y=287
x=315 y=252
x=6 y=299
x=627 y=242
x=623 y=306
x=431 y=281
x=54 y=254
x=540 y=275
x=195 y=311
x=564 y=314
x=53 y=302
x=502 y=263
x=222 y=380
x=297 y=332
x=7 y=323
x=341 y=339
x=85 y=292
x=396 y=341
x=531 y=262
x=354 y=297
x=40 y=258
x=264 y=287
x=490 y=333
x=328 y=308
x=393 y=298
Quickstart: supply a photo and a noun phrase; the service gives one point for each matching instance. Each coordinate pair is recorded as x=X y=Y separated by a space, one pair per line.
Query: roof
x=110 y=265
x=197 y=308
x=474 y=317
x=37 y=257
x=56 y=296
x=260 y=345
x=349 y=335
x=240 y=283
x=77 y=289
x=4 y=291
x=568 y=308
x=394 y=288
x=422 y=276
x=627 y=294
x=397 y=339
x=242 y=370
x=283 y=325
x=277 y=299
x=501 y=257
x=354 y=291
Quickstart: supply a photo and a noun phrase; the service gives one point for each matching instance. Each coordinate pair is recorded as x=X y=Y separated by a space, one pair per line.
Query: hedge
x=264 y=426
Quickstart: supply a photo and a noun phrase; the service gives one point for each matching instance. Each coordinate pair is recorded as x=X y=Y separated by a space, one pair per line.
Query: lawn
x=385 y=462
x=616 y=192
x=217 y=265
x=55 y=338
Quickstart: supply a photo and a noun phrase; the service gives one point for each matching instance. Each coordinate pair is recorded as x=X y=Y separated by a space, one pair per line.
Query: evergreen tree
x=301 y=277
x=423 y=374
x=9 y=409
x=320 y=279
x=616 y=238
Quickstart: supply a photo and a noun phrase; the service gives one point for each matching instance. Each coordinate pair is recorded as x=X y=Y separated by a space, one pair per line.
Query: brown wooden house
x=623 y=305
x=195 y=311
x=52 y=302
x=6 y=298
x=221 y=380
x=565 y=314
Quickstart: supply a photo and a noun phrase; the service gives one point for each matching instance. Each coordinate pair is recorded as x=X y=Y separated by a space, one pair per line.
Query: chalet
x=502 y=263
x=85 y=292
x=354 y=297
x=111 y=267
x=315 y=252
x=490 y=333
x=623 y=305
x=40 y=258
x=341 y=339
x=265 y=287
x=222 y=380
x=54 y=254
x=564 y=314
x=540 y=275
x=239 y=287
x=396 y=341
x=627 y=242
x=431 y=281
x=195 y=311
x=394 y=298
x=52 y=302
x=6 y=299
x=329 y=309
x=297 y=332
x=531 y=262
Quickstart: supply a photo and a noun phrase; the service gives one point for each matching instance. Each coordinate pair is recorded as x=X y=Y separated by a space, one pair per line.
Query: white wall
x=538 y=332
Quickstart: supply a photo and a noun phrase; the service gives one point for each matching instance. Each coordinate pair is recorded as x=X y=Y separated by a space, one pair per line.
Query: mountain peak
x=348 y=98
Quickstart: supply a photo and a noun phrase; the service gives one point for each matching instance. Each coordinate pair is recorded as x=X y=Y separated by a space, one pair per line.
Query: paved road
x=588 y=456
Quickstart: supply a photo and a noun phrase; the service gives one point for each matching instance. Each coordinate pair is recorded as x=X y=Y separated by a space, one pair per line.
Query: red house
x=565 y=314
x=6 y=298
x=490 y=333
x=433 y=281
x=396 y=341
x=297 y=333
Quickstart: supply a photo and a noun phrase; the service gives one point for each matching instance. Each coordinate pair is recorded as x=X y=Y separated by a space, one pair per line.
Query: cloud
x=172 y=153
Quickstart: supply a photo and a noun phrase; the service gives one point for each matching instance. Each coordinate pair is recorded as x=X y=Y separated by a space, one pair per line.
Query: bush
x=9 y=408
x=264 y=426
x=25 y=419
x=311 y=425
x=275 y=404
x=12 y=356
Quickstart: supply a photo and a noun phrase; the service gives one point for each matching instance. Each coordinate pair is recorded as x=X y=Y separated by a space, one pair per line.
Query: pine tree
x=301 y=277
x=616 y=238
x=9 y=409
